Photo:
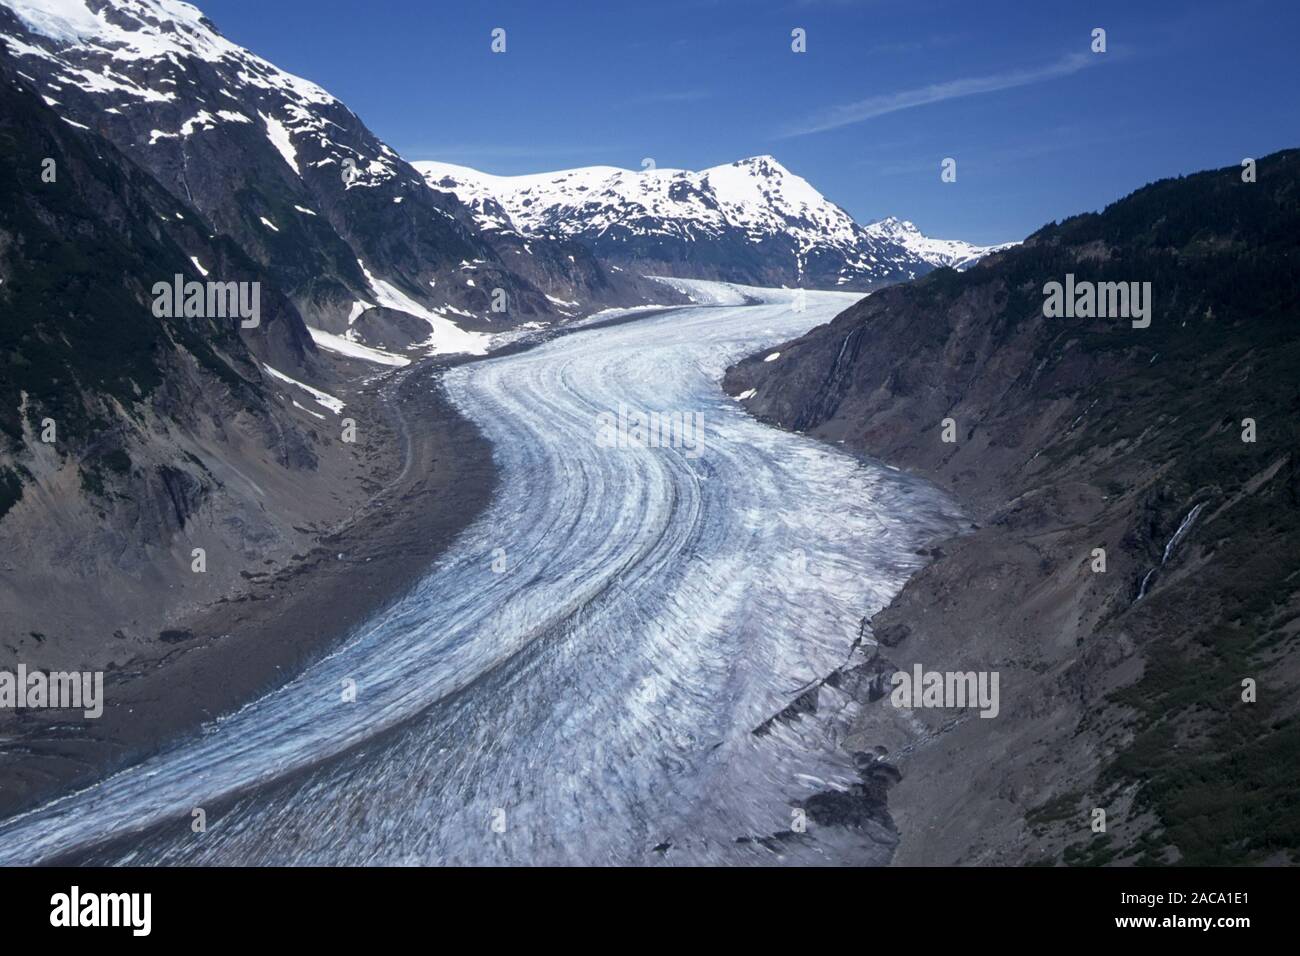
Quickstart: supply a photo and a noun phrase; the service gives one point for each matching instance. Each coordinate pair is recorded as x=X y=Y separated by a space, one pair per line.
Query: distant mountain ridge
x=752 y=222
x=953 y=253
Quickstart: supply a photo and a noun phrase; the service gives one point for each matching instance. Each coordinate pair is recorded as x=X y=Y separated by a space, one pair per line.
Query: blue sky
x=1040 y=127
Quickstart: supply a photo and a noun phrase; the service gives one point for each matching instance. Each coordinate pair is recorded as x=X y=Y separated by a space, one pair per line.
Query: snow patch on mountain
x=445 y=336
x=345 y=346
x=324 y=399
x=280 y=139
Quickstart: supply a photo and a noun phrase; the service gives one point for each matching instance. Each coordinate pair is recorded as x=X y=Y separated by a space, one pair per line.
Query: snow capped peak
x=764 y=167
x=893 y=226
x=124 y=31
x=941 y=252
x=757 y=195
x=763 y=182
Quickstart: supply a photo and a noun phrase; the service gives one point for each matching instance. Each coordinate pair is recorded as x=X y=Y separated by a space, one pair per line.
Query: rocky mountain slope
x=1172 y=448
x=127 y=439
x=331 y=213
x=752 y=222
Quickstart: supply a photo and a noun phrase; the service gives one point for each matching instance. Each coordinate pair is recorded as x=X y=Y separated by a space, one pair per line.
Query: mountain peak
x=893 y=226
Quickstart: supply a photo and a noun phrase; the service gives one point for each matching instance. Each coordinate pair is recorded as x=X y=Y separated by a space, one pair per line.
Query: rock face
x=329 y=212
x=752 y=222
x=1122 y=688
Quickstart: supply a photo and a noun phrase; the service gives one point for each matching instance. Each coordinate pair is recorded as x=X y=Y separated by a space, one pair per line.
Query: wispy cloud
x=873 y=106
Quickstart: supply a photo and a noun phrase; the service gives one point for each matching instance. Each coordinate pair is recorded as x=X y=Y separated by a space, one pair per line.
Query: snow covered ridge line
x=749 y=202
x=136 y=53
x=757 y=194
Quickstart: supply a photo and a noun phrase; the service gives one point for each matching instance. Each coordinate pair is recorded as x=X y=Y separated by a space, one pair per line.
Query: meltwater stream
x=595 y=700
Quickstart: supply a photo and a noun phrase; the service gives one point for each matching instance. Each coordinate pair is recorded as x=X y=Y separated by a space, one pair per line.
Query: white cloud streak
x=836 y=116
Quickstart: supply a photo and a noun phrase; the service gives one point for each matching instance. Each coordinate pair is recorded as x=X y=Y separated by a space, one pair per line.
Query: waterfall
x=1183 y=528
x=1181 y=533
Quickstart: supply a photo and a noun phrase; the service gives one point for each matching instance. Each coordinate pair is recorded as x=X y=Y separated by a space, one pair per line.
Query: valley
x=383 y=510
